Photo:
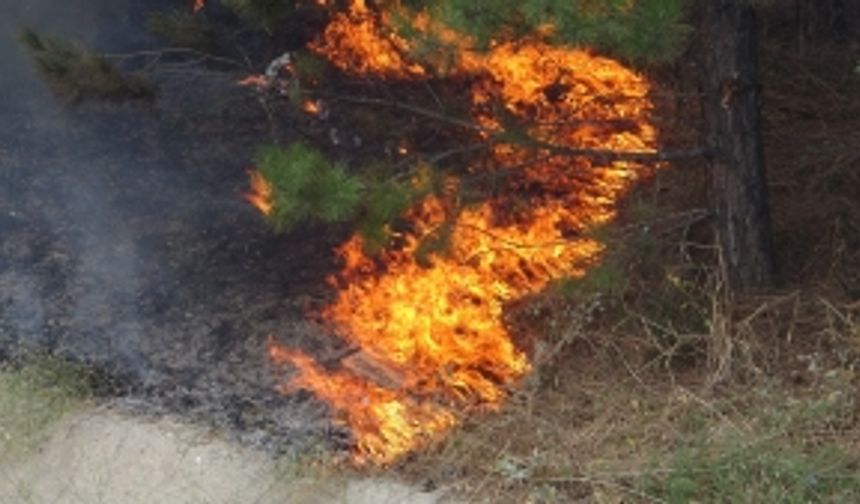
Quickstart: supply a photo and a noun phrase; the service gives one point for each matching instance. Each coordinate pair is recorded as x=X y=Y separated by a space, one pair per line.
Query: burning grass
x=646 y=382
x=640 y=379
x=426 y=316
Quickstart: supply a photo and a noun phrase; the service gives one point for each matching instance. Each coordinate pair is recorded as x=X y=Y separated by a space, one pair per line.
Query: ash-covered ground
x=124 y=240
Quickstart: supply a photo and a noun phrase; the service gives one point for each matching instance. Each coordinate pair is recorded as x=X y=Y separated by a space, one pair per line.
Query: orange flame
x=357 y=37
x=385 y=424
x=311 y=107
x=254 y=80
x=430 y=332
x=197 y=5
x=260 y=195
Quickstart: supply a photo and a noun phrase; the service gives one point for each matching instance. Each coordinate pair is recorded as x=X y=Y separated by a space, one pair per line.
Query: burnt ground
x=125 y=243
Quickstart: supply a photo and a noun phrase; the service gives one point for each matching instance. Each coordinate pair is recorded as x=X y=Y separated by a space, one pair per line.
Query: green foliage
x=606 y=278
x=307 y=186
x=183 y=29
x=74 y=73
x=780 y=455
x=384 y=202
x=643 y=31
x=760 y=472
x=482 y=19
x=424 y=45
x=265 y=14
x=309 y=67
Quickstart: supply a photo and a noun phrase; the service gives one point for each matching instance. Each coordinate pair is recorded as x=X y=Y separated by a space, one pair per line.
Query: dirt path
x=102 y=456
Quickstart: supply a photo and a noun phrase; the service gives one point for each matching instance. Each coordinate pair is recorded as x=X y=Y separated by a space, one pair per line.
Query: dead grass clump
x=76 y=74
x=600 y=422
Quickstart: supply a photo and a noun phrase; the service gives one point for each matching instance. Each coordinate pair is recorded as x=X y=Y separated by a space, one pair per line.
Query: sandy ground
x=100 y=456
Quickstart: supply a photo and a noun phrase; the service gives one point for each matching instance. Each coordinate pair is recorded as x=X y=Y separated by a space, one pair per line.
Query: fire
x=386 y=424
x=197 y=5
x=429 y=333
x=260 y=195
x=362 y=47
x=312 y=107
x=255 y=80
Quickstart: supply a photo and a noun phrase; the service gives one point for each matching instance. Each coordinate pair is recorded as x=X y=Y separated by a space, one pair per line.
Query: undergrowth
x=788 y=450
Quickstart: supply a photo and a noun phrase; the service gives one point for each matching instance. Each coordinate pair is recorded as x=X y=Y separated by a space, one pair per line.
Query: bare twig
x=435 y=96
x=159 y=53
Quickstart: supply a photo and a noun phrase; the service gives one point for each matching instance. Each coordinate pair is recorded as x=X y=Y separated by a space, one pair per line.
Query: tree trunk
x=733 y=115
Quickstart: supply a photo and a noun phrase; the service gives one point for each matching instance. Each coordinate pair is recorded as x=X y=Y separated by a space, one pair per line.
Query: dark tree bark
x=733 y=117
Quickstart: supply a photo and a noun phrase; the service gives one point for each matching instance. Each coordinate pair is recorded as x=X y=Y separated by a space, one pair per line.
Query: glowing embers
x=427 y=329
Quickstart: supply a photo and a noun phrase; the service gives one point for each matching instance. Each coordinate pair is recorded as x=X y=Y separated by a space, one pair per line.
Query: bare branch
x=157 y=54
x=430 y=114
x=609 y=155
